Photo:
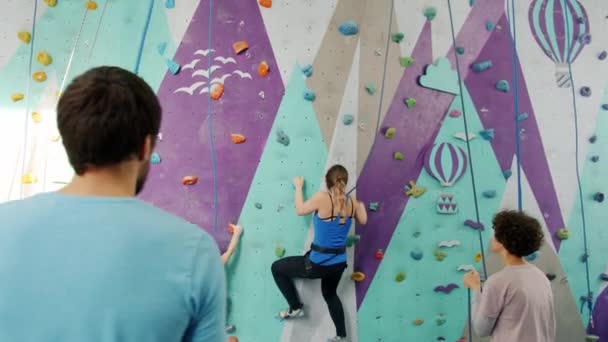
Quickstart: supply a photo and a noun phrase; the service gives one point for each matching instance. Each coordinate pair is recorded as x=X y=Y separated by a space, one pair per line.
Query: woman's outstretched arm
x=305 y=207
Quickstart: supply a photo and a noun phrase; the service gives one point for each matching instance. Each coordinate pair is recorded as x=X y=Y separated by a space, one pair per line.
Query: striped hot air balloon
x=446 y=162
x=561 y=30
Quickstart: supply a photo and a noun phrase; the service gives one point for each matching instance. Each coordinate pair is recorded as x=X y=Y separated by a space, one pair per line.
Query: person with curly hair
x=515 y=303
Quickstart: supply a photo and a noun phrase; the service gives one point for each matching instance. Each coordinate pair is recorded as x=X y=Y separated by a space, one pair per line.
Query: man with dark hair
x=516 y=303
x=93 y=263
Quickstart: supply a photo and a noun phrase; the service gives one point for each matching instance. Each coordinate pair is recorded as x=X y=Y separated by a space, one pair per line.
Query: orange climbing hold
x=189 y=180
x=217 y=90
x=232 y=339
x=237 y=138
x=358 y=276
x=39 y=76
x=265 y=3
x=478 y=257
x=44 y=58
x=263 y=69
x=91 y=5
x=240 y=47
x=51 y=3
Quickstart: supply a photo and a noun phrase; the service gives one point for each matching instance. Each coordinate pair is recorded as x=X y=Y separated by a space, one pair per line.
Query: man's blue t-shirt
x=100 y=269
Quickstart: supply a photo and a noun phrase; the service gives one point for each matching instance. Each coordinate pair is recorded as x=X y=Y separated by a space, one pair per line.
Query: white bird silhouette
x=190 y=90
x=203 y=52
x=204 y=90
x=206 y=72
x=191 y=65
x=220 y=79
x=242 y=74
x=225 y=60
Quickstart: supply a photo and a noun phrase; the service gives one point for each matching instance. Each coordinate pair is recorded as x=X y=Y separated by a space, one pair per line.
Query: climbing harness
x=466 y=132
x=143 y=37
x=388 y=41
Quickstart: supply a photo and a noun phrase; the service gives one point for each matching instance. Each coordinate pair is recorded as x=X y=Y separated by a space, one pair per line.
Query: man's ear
x=146 y=149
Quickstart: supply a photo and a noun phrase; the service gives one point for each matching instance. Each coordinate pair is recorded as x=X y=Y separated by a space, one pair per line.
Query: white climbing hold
x=463 y=136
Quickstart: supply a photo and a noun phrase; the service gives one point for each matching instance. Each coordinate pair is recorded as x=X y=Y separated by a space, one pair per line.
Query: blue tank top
x=330 y=233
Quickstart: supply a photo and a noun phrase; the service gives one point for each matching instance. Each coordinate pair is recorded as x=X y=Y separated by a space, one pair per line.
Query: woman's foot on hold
x=285 y=314
x=337 y=339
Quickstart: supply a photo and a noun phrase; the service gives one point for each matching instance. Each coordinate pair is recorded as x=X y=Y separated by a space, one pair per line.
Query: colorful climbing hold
x=598 y=197
x=406 y=61
x=441 y=319
x=265 y=3
x=416 y=254
x=189 y=180
x=551 y=276
x=507 y=173
x=460 y=50
x=24 y=36
x=352 y=240
x=240 y=47
x=489 y=193
x=44 y=58
x=279 y=251
x=282 y=137
x=307 y=70
x=487 y=134
x=55 y=137
x=36 y=117
x=230 y=328
x=232 y=339
x=162 y=47
x=51 y=3
x=439 y=255
x=358 y=276
x=263 y=69
x=410 y=102
x=237 y=138
x=347 y=119
x=478 y=257
x=447 y=289
x=400 y=277
x=604 y=276
x=414 y=190
x=390 y=132
x=29 y=178
x=466 y=268
x=522 y=116
x=91 y=5
x=593 y=139
x=446 y=204
x=448 y=244
x=258 y=205
x=533 y=256
x=348 y=28
x=309 y=95
x=474 y=225
x=430 y=13
x=261 y=94
x=595 y=159
x=39 y=76
x=563 y=234
x=370 y=88
x=602 y=55
x=482 y=66
x=455 y=113
x=379 y=254
x=373 y=206
x=418 y=322
x=503 y=85
x=398 y=156
x=584 y=257
x=397 y=37
x=585 y=91
x=170 y=4
x=489 y=26
x=17 y=97
x=585 y=38
x=155 y=158
x=217 y=90
x=173 y=66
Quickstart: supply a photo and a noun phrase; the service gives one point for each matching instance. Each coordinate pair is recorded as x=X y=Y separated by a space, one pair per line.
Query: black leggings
x=285 y=269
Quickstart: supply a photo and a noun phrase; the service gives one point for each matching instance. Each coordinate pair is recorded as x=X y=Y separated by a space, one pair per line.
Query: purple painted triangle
x=185 y=148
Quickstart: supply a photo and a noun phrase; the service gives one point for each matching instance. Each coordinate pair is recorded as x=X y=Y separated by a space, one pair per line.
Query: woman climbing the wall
x=333 y=213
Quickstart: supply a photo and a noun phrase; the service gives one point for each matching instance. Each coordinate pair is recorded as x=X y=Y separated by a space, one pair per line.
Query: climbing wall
x=256 y=92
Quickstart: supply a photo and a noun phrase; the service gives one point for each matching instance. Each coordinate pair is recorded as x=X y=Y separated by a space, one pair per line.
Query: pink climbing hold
x=455 y=113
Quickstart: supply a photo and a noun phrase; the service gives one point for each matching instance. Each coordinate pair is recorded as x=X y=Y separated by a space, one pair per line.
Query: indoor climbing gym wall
x=443 y=112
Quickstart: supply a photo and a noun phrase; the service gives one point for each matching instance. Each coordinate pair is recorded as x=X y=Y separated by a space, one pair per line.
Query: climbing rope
x=514 y=62
x=388 y=41
x=143 y=37
x=589 y=297
x=210 y=122
x=466 y=132
x=103 y=12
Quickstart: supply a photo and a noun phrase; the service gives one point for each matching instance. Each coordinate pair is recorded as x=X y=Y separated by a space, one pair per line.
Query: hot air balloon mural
x=445 y=162
x=561 y=30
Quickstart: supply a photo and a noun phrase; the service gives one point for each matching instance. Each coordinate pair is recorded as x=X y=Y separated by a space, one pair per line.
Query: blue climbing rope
x=103 y=12
x=210 y=122
x=515 y=76
x=589 y=297
x=388 y=41
x=466 y=132
x=143 y=37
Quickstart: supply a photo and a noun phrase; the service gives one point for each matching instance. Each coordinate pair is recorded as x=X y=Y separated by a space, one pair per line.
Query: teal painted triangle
x=399 y=304
x=254 y=296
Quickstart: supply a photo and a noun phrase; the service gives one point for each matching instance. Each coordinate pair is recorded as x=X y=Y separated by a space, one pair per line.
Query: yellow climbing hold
x=91 y=5
x=55 y=137
x=57 y=94
x=39 y=76
x=17 y=97
x=29 y=178
x=358 y=276
x=415 y=190
x=24 y=36
x=478 y=257
x=51 y=3
x=36 y=117
x=44 y=58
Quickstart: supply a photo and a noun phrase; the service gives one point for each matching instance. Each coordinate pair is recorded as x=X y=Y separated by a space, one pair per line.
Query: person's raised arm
x=360 y=211
x=234 y=241
x=304 y=207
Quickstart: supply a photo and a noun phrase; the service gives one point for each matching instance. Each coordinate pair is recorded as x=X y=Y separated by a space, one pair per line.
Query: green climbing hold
x=390 y=132
x=352 y=240
x=398 y=156
x=406 y=61
x=410 y=102
x=441 y=319
x=397 y=37
x=430 y=13
x=279 y=251
x=562 y=234
x=440 y=255
x=503 y=85
x=373 y=206
x=370 y=88
x=400 y=277
x=460 y=50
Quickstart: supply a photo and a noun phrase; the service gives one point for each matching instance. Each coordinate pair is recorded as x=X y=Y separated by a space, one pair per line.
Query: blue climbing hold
x=593 y=139
x=487 y=134
x=604 y=276
x=585 y=39
x=258 y=205
x=155 y=158
x=307 y=70
x=348 y=28
x=598 y=197
x=507 y=173
x=170 y=4
x=522 y=117
x=585 y=91
x=373 y=206
x=602 y=55
x=595 y=159
x=460 y=50
x=416 y=254
x=489 y=26
x=471 y=3
x=162 y=47
x=605 y=106
x=503 y=85
x=309 y=95
x=482 y=66
x=533 y=256
x=347 y=119
x=173 y=66
x=489 y=193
